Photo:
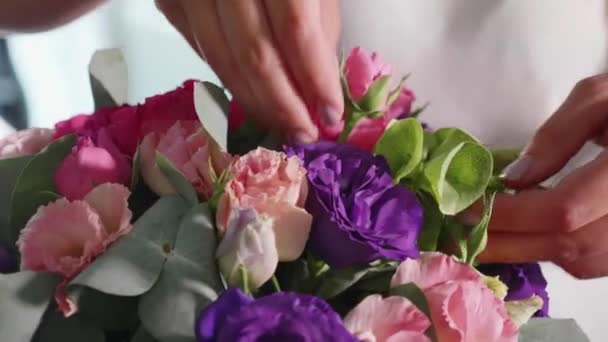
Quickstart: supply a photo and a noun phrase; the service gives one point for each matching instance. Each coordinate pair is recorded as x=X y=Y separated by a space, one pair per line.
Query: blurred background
x=52 y=70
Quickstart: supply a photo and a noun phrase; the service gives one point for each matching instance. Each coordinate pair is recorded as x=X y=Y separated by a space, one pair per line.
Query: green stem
x=245 y=281
x=275 y=283
x=349 y=124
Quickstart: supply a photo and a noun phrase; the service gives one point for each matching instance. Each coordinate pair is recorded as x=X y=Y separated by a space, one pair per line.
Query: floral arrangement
x=179 y=220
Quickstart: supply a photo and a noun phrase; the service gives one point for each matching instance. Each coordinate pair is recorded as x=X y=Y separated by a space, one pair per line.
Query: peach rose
x=64 y=237
x=462 y=308
x=29 y=141
x=276 y=186
x=190 y=150
x=391 y=319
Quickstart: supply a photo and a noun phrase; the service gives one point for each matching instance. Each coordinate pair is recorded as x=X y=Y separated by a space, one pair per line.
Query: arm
x=41 y=15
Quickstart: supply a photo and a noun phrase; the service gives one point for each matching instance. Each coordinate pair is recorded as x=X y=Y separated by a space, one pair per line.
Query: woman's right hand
x=277 y=57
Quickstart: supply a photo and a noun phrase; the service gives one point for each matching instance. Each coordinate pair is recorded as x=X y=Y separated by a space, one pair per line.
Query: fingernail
x=301 y=137
x=518 y=169
x=329 y=115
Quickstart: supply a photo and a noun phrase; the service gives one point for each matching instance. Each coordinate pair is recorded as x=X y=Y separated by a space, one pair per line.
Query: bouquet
x=179 y=219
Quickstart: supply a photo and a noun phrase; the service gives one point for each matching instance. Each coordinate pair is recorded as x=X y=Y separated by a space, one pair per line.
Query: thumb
x=580 y=118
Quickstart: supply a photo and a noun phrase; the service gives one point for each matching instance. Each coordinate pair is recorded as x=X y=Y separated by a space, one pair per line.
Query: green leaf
x=430 y=143
x=132 y=265
x=35 y=184
x=24 y=297
x=402 y=146
x=336 y=281
x=428 y=238
x=112 y=313
x=417 y=297
x=10 y=169
x=177 y=179
x=141 y=335
x=458 y=177
x=377 y=94
x=190 y=280
x=447 y=139
x=55 y=327
x=551 y=330
x=454 y=239
x=394 y=94
x=109 y=78
x=503 y=158
x=136 y=169
x=478 y=238
x=219 y=95
x=212 y=113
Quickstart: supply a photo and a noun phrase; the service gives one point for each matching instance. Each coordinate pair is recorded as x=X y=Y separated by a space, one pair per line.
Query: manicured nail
x=329 y=115
x=301 y=137
x=518 y=169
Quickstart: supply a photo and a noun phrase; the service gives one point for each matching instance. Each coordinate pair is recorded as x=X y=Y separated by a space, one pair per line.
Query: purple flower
x=360 y=215
x=281 y=316
x=523 y=280
x=8 y=260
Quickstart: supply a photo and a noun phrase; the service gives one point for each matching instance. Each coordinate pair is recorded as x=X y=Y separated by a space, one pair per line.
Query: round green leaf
x=446 y=139
x=190 y=280
x=401 y=145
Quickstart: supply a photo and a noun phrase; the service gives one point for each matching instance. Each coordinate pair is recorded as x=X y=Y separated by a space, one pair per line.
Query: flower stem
x=275 y=283
x=349 y=124
x=245 y=281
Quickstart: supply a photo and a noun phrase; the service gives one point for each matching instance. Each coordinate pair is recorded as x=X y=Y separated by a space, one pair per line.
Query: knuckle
x=260 y=58
x=568 y=216
x=567 y=249
x=593 y=84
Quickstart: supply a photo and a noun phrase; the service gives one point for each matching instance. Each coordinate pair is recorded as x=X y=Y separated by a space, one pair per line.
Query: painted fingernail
x=301 y=137
x=517 y=170
x=329 y=115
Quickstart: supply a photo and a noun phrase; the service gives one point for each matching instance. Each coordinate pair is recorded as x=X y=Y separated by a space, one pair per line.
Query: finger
x=588 y=268
x=521 y=248
x=310 y=56
x=210 y=40
x=175 y=14
x=251 y=42
x=580 y=118
x=331 y=22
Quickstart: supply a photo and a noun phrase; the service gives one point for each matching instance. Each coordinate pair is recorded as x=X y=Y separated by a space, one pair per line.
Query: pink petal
x=62 y=237
x=291 y=228
x=431 y=269
x=361 y=70
x=64 y=303
x=393 y=319
x=29 y=141
x=150 y=171
x=366 y=133
x=110 y=203
x=401 y=106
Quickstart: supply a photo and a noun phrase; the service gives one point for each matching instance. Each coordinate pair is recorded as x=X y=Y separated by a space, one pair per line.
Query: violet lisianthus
x=282 y=316
x=523 y=281
x=360 y=215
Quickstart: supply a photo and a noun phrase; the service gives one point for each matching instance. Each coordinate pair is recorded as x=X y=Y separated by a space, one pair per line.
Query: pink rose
x=462 y=308
x=362 y=69
x=190 y=150
x=64 y=237
x=276 y=186
x=89 y=165
x=392 y=319
x=26 y=142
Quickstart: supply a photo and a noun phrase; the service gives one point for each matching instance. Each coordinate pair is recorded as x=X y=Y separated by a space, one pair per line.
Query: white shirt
x=497 y=69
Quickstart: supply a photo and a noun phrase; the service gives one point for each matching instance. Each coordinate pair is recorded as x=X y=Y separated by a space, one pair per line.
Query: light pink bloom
x=89 y=165
x=391 y=319
x=29 y=141
x=64 y=237
x=274 y=185
x=190 y=150
x=462 y=308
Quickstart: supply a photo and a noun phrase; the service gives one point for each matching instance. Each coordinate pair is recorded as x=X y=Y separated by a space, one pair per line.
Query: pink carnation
x=392 y=319
x=462 y=308
x=29 y=141
x=276 y=186
x=64 y=237
x=190 y=150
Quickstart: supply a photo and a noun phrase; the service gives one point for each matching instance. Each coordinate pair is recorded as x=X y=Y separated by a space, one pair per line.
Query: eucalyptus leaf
x=428 y=238
x=376 y=95
x=111 y=313
x=458 y=177
x=136 y=169
x=10 y=169
x=35 y=184
x=417 y=297
x=478 y=237
x=551 y=330
x=132 y=265
x=402 y=146
x=211 y=112
x=219 y=96
x=190 y=281
x=177 y=179
x=55 y=327
x=24 y=298
x=109 y=78
x=336 y=281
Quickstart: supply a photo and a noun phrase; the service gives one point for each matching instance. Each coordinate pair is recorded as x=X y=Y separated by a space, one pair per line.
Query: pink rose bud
x=276 y=186
x=387 y=320
x=249 y=244
x=89 y=165
x=188 y=147
x=29 y=141
x=64 y=237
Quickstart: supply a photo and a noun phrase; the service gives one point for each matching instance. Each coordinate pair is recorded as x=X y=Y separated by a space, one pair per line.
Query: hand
x=567 y=224
x=277 y=57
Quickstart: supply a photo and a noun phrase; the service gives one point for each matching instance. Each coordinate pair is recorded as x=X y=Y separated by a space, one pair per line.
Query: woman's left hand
x=567 y=224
